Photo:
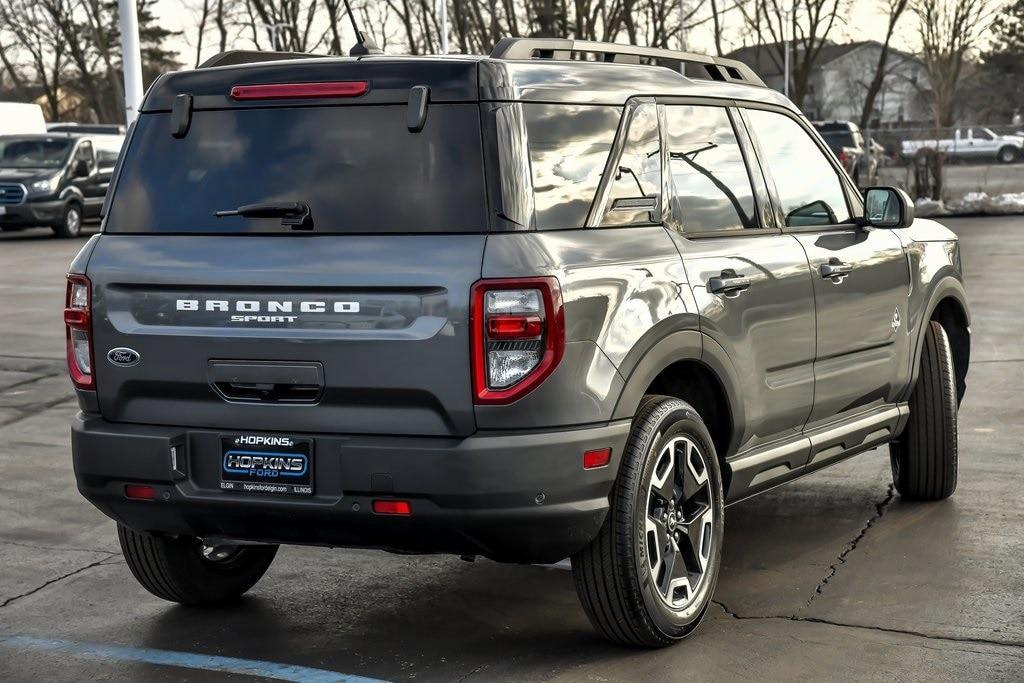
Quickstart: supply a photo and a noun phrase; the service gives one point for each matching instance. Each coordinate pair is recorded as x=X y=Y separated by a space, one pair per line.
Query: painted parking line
x=186 y=660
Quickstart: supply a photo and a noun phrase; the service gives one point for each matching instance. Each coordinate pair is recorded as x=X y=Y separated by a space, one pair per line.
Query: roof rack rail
x=236 y=57
x=717 y=68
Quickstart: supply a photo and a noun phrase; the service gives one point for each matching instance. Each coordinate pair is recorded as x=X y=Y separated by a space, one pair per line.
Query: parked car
x=971 y=143
x=18 y=118
x=859 y=158
x=96 y=128
x=517 y=306
x=56 y=179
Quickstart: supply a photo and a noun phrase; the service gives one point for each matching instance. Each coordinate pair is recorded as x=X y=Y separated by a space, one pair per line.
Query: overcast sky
x=863 y=21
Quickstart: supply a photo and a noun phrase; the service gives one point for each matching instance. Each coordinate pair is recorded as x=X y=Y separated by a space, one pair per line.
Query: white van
x=19 y=118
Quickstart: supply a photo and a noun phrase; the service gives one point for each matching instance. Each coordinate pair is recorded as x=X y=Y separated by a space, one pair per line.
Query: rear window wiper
x=295 y=215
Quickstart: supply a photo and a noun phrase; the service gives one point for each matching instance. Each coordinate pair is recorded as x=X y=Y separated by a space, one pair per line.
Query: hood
x=1015 y=139
x=26 y=175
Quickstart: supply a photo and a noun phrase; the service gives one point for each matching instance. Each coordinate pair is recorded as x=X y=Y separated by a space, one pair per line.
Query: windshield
x=33 y=152
x=358 y=169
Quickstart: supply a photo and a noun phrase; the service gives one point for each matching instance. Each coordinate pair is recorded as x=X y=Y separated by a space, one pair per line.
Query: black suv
x=521 y=306
x=57 y=179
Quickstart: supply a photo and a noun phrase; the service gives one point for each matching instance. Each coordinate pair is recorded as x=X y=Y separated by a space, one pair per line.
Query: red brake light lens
x=392 y=507
x=139 y=492
x=293 y=91
x=518 y=335
x=78 y=325
x=595 y=459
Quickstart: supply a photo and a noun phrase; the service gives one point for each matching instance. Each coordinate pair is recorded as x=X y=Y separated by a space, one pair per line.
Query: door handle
x=835 y=269
x=728 y=283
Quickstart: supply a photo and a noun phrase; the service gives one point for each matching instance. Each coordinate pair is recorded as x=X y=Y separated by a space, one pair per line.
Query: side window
x=710 y=185
x=808 y=185
x=568 y=146
x=636 y=185
x=84 y=153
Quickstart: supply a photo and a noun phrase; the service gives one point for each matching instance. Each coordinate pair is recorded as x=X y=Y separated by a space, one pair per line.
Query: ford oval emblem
x=123 y=356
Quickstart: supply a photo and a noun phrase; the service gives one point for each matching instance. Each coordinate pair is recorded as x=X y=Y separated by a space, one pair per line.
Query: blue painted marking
x=185 y=660
x=305 y=462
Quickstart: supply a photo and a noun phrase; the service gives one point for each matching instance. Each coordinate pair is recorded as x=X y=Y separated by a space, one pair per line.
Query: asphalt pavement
x=832 y=577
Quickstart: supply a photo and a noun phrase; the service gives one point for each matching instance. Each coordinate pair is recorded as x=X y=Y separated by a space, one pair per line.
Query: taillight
x=303 y=91
x=78 y=321
x=518 y=332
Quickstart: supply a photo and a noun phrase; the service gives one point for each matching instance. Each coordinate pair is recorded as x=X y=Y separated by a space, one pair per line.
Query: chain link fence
x=966 y=169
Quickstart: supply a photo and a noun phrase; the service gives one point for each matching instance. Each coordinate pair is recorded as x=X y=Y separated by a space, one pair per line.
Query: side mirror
x=81 y=169
x=887 y=207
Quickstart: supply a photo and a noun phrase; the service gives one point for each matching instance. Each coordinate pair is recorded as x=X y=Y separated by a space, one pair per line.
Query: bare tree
x=805 y=23
x=894 y=10
x=949 y=30
x=31 y=30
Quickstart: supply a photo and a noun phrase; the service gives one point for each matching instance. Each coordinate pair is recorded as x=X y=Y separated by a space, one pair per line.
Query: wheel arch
x=948 y=307
x=691 y=366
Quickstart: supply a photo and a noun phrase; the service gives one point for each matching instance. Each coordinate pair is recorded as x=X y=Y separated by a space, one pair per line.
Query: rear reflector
x=139 y=492
x=597 y=458
x=290 y=91
x=392 y=507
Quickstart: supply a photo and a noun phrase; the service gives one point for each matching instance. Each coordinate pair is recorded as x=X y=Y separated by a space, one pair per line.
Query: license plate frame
x=266 y=464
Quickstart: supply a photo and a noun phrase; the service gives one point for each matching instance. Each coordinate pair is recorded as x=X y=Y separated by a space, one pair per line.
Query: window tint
x=638 y=174
x=808 y=185
x=710 y=185
x=569 y=147
x=358 y=168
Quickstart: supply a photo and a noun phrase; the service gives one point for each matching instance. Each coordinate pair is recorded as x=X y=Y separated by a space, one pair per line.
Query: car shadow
x=366 y=613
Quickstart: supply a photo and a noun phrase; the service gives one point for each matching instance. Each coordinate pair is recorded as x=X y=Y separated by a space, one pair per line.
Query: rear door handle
x=835 y=269
x=728 y=283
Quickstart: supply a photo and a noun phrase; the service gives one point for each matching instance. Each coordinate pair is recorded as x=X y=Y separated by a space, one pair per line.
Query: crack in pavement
x=57 y=548
x=866 y=627
x=105 y=560
x=36 y=408
x=852 y=545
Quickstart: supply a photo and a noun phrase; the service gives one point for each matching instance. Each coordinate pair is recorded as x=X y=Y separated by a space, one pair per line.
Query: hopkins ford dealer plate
x=258 y=463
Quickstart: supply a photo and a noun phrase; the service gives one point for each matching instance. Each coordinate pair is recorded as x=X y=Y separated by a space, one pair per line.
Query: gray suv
x=568 y=300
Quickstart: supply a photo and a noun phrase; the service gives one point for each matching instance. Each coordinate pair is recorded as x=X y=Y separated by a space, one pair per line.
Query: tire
x=70 y=221
x=613 y=574
x=177 y=570
x=1007 y=155
x=924 y=458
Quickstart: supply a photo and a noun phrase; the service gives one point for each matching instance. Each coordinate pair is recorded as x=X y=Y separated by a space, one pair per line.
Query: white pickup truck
x=971 y=143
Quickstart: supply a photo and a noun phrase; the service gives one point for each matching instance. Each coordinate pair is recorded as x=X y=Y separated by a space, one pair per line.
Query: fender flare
x=686 y=345
x=72 y=193
x=948 y=287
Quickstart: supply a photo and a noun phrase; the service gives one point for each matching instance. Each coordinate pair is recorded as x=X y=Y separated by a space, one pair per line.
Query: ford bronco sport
x=567 y=300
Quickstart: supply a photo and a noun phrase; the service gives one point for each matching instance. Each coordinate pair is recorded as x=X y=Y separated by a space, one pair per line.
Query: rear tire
x=924 y=458
x=648 y=577
x=70 y=222
x=183 y=570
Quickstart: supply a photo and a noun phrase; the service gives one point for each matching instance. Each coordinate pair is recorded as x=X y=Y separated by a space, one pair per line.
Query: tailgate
x=346 y=334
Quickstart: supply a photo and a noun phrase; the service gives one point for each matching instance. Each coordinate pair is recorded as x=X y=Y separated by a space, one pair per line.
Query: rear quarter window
x=358 y=168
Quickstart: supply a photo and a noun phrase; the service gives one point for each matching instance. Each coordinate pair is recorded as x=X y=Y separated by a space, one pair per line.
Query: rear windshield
x=358 y=168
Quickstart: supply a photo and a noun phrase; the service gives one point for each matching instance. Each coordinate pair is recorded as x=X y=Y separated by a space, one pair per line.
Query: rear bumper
x=32 y=213
x=474 y=495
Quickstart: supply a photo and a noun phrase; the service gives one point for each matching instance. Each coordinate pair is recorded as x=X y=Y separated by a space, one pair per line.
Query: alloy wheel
x=679 y=522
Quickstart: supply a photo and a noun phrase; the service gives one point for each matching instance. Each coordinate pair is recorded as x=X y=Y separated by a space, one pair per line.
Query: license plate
x=263 y=463
x=3 y=210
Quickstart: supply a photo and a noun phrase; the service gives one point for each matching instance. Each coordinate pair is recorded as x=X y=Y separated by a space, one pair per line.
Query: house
x=840 y=78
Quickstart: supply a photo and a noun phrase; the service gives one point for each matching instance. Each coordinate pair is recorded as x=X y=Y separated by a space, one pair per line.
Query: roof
x=766 y=58
x=461 y=78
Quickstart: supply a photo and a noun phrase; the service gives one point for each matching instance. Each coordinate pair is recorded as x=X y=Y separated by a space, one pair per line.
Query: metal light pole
x=130 y=57
x=786 y=15
x=444 y=27
x=682 y=25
